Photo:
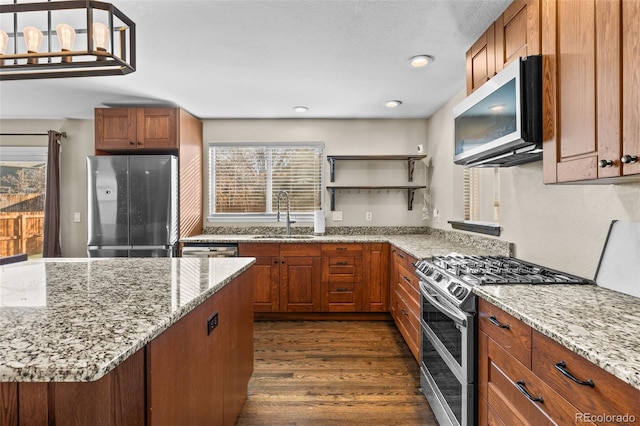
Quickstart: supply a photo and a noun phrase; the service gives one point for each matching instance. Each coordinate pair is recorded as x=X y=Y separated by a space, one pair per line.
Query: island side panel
x=200 y=378
x=115 y=399
x=9 y=404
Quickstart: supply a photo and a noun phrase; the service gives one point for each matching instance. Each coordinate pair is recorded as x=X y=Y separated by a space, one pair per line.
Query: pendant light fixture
x=106 y=40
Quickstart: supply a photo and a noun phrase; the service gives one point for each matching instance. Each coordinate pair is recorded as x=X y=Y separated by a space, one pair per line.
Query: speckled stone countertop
x=598 y=324
x=74 y=320
x=417 y=245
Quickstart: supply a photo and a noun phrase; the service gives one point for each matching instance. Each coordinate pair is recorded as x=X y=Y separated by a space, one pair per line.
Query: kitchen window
x=245 y=179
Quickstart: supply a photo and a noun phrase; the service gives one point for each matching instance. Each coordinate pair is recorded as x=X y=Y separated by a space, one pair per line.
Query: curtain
x=51 y=237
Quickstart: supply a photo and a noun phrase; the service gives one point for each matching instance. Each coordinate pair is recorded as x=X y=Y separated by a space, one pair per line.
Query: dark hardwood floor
x=333 y=373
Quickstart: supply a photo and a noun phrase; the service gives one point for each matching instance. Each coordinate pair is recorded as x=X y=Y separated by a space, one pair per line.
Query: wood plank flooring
x=333 y=373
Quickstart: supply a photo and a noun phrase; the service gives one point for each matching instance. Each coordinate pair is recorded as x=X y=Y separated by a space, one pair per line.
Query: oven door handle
x=442 y=308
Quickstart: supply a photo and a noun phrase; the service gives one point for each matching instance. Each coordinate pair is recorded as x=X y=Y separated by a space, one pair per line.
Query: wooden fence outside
x=21 y=233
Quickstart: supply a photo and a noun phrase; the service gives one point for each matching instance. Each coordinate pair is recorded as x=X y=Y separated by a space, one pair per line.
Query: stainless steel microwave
x=500 y=124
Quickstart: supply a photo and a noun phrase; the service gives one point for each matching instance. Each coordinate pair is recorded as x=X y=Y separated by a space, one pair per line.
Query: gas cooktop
x=454 y=275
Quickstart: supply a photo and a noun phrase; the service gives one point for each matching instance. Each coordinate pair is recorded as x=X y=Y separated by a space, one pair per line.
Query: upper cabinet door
x=517 y=32
x=157 y=128
x=582 y=81
x=481 y=60
x=115 y=128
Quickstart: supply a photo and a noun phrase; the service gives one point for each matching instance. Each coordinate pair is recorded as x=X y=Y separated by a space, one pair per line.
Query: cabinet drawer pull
x=413 y=265
x=341 y=248
x=131 y=143
x=520 y=385
x=400 y=255
x=406 y=279
x=405 y=313
x=493 y=320
x=341 y=263
x=562 y=367
x=342 y=289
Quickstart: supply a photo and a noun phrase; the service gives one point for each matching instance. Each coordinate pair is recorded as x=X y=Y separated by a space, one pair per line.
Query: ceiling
x=259 y=59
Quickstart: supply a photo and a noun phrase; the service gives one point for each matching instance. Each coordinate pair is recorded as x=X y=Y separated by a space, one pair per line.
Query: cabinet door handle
x=139 y=143
x=493 y=320
x=629 y=159
x=562 y=367
x=605 y=163
x=131 y=143
x=275 y=262
x=520 y=385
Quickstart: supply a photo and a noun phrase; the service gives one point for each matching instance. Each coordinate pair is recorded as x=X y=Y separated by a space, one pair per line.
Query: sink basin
x=284 y=237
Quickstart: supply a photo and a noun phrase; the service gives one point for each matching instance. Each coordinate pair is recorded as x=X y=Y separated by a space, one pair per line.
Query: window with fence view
x=245 y=179
x=22 y=189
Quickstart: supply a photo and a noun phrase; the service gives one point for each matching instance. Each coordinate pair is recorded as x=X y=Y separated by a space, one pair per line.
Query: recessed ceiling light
x=393 y=104
x=420 y=61
x=300 y=108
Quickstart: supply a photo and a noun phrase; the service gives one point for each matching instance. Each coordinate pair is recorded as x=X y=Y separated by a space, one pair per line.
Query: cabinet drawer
x=342 y=249
x=410 y=280
x=408 y=323
x=341 y=292
x=341 y=269
x=609 y=394
x=509 y=332
x=402 y=258
x=507 y=380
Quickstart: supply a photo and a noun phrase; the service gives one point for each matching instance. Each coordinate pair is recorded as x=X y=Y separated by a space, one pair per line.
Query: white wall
x=74 y=149
x=343 y=137
x=560 y=226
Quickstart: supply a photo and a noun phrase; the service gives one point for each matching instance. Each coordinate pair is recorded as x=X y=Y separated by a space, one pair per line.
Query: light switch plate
x=337 y=216
x=368 y=216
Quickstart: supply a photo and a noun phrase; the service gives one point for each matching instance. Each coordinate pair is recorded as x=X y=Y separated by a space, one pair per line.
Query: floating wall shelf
x=410 y=192
x=411 y=161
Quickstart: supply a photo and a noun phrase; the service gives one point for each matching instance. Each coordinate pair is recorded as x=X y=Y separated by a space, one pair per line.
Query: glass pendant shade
x=100 y=36
x=4 y=40
x=66 y=36
x=32 y=38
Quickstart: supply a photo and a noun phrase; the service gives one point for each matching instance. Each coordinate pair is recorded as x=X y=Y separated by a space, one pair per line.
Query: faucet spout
x=289 y=221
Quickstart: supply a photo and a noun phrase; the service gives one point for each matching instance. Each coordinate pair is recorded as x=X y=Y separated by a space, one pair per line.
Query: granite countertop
x=598 y=324
x=74 y=320
x=417 y=245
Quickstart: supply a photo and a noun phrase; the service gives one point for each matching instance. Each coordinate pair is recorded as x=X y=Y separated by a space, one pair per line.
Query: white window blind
x=473 y=197
x=245 y=179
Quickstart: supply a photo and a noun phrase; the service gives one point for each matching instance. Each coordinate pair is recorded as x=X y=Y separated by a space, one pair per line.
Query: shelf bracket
x=410 y=194
x=332 y=198
x=332 y=171
x=412 y=165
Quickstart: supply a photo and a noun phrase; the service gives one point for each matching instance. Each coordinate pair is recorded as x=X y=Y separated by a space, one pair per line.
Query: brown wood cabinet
x=375 y=280
x=405 y=299
x=341 y=278
x=319 y=277
x=266 y=284
x=159 y=131
x=514 y=34
x=519 y=381
x=592 y=90
x=119 y=129
x=183 y=376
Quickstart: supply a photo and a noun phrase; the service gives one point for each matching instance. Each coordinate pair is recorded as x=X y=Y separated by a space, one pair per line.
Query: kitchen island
x=125 y=341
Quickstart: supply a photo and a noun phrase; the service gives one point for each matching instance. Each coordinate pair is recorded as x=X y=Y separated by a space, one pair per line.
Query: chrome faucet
x=289 y=221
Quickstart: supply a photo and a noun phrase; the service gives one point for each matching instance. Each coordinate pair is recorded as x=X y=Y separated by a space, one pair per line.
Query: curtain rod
x=63 y=134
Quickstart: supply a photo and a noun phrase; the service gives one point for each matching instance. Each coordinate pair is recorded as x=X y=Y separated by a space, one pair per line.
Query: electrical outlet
x=337 y=216
x=76 y=217
x=212 y=323
x=436 y=215
x=368 y=216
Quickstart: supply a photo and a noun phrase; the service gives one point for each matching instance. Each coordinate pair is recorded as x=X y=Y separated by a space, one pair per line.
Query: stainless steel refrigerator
x=132 y=205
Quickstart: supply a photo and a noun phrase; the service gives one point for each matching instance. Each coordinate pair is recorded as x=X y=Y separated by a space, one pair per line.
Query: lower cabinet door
x=300 y=284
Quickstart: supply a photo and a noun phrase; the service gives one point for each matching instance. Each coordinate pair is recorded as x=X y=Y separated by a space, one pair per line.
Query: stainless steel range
x=448 y=343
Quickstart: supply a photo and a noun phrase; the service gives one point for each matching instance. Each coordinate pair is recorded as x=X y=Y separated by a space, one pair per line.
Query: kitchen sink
x=284 y=237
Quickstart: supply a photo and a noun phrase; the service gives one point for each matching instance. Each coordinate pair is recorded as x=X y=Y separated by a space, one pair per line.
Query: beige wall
x=74 y=148
x=560 y=226
x=343 y=137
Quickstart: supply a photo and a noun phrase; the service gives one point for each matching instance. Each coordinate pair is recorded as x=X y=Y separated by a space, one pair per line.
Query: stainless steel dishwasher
x=210 y=250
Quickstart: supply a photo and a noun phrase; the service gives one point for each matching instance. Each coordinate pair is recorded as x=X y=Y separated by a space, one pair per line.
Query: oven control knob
x=438 y=277
x=428 y=271
x=460 y=292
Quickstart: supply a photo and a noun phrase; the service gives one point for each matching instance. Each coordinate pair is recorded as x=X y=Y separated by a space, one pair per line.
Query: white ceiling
x=260 y=58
